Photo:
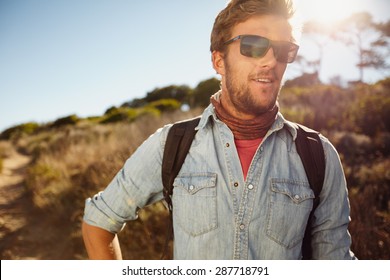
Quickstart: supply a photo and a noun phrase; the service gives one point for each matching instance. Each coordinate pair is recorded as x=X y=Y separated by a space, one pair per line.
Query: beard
x=243 y=98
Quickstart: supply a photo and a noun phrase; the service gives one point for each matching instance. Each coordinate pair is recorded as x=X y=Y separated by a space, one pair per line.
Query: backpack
x=178 y=143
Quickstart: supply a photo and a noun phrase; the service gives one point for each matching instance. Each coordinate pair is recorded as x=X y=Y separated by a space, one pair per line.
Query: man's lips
x=263 y=80
x=266 y=78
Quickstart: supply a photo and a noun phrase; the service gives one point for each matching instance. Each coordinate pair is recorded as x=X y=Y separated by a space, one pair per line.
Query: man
x=242 y=192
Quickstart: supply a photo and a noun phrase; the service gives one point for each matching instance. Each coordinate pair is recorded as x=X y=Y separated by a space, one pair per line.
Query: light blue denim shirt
x=219 y=215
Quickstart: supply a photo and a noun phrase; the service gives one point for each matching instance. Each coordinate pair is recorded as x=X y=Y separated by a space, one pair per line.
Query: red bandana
x=248 y=129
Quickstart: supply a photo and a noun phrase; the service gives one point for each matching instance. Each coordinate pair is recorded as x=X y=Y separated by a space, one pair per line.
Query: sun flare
x=327 y=11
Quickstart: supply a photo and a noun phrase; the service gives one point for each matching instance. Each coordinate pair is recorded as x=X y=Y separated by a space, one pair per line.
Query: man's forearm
x=101 y=244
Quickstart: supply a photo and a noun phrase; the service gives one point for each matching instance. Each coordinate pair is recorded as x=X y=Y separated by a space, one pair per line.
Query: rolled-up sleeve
x=136 y=185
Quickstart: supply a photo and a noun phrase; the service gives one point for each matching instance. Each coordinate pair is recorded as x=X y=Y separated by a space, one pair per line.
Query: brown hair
x=238 y=11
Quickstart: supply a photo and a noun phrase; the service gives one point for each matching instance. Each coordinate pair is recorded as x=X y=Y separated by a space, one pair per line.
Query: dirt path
x=28 y=233
x=15 y=206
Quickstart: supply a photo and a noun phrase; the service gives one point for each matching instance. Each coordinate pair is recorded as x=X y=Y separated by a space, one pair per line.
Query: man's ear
x=218 y=62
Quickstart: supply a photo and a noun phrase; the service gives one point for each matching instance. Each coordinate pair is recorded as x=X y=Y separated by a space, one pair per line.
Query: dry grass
x=6 y=150
x=73 y=163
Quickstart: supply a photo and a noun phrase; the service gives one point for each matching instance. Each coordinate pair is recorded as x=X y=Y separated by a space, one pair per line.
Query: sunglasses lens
x=254 y=46
x=285 y=52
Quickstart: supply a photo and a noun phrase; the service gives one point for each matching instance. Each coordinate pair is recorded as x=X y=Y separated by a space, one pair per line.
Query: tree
x=203 y=91
x=179 y=93
x=384 y=28
x=319 y=34
x=360 y=32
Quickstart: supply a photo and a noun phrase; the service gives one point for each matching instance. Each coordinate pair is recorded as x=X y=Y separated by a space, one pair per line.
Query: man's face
x=250 y=86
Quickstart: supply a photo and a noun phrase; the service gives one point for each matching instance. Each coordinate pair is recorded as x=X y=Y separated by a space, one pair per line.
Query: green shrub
x=165 y=105
x=69 y=120
x=120 y=115
x=44 y=182
x=149 y=111
x=40 y=175
x=19 y=130
x=203 y=91
x=371 y=113
x=178 y=93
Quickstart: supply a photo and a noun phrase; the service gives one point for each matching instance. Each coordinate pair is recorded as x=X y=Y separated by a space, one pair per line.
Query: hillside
x=48 y=170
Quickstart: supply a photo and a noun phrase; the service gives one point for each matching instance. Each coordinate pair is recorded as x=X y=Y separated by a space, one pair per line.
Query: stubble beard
x=242 y=97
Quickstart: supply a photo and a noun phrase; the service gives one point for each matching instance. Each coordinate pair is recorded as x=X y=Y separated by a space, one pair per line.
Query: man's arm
x=331 y=239
x=101 y=244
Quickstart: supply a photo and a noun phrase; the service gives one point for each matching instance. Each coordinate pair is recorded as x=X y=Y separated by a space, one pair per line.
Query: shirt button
x=250 y=186
x=227 y=145
x=296 y=197
x=242 y=226
x=192 y=187
x=236 y=184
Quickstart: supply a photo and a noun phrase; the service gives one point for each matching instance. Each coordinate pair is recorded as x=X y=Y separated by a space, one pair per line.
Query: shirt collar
x=281 y=123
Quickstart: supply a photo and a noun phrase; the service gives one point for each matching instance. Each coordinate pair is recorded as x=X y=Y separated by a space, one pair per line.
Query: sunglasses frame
x=275 y=45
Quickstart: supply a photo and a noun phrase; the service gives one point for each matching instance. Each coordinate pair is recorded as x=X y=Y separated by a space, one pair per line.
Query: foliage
x=197 y=97
x=68 y=120
x=305 y=80
x=165 y=105
x=179 y=93
x=19 y=130
x=364 y=109
x=203 y=91
x=371 y=113
x=171 y=92
x=360 y=31
x=126 y=114
x=318 y=106
x=119 y=115
x=369 y=41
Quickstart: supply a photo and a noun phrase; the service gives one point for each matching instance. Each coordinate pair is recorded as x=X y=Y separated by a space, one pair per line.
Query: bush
x=165 y=105
x=69 y=120
x=178 y=93
x=44 y=182
x=370 y=224
x=322 y=105
x=120 y=115
x=203 y=91
x=19 y=131
x=371 y=112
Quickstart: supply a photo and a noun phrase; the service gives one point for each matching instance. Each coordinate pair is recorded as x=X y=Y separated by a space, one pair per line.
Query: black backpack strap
x=311 y=152
x=177 y=145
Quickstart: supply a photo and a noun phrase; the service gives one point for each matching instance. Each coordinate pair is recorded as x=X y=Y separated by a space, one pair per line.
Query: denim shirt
x=219 y=215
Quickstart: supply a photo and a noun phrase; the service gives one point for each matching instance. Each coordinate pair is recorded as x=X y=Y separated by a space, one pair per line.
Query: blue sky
x=82 y=56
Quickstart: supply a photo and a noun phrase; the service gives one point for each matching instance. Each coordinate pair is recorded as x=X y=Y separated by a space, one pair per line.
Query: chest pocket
x=194 y=202
x=289 y=206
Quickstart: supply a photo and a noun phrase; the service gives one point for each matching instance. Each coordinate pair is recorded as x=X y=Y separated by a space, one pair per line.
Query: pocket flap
x=297 y=191
x=194 y=182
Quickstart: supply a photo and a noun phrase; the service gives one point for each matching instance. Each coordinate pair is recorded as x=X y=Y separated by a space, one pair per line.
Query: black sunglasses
x=257 y=46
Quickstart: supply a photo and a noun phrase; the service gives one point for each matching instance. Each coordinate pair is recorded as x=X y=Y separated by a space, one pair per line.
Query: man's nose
x=269 y=59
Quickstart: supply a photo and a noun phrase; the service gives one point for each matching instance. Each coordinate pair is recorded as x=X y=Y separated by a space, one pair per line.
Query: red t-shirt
x=246 y=150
